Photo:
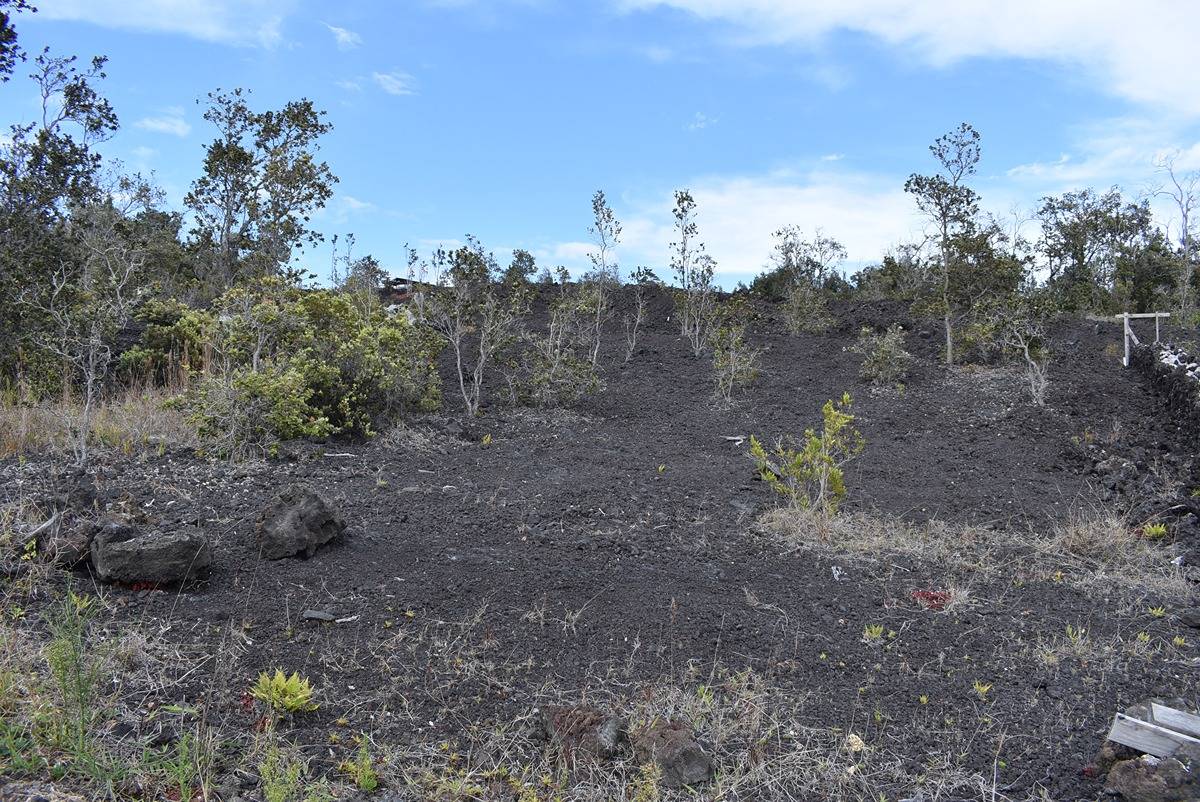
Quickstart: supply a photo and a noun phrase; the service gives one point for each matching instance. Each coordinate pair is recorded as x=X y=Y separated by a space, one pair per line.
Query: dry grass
x=1099 y=550
x=1093 y=550
x=131 y=423
x=872 y=536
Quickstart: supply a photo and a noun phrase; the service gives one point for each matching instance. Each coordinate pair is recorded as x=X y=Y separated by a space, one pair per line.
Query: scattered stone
x=317 y=615
x=673 y=748
x=580 y=728
x=121 y=554
x=297 y=521
x=67 y=542
x=1151 y=779
x=1190 y=617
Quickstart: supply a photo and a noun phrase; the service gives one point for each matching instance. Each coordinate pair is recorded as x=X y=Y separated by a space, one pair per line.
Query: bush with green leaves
x=812 y=476
x=172 y=345
x=290 y=363
x=885 y=362
x=805 y=310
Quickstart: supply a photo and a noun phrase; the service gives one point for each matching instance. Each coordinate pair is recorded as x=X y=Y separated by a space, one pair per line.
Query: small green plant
x=982 y=689
x=1179 y=641
x=885 y=362
x=873 y=634
x=361 y=769
x=1157 y=612
x=279 y=775
x=812 y=476
x=76 y=672
x=1156 y=531
x=647 y=785
x=284 y=694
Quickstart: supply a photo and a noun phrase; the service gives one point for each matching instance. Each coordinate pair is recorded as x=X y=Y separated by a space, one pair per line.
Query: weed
x=982 y=689
x=872 y=634
x=284 y=694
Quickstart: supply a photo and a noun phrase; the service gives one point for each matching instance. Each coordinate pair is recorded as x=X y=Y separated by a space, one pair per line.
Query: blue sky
x=501 y=117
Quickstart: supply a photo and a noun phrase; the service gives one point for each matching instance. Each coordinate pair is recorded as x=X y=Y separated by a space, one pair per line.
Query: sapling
x=475 y=313
x=643 y=278
x=735 y=361
x=693 y=269
x=812 y=477
x=604 y=275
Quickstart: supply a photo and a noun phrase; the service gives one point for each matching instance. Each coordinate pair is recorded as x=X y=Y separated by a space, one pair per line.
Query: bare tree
x=693 y=270
x=91 y=296
x=643 y=278
x=475 y=313
x=1183 y=189
x=604 y=275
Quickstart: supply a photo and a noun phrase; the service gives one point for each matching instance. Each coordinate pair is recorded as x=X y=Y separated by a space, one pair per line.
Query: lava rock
x=1190 y=617
x=580 y=728
x=673 y=748
x=297 y=521
x=1151 y=779
x=66 y=541
x=122 y=554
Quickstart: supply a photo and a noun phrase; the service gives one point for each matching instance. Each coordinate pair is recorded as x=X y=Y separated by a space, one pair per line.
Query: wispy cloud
x=701 y=121
x=1139 y=51
x=345 y=38
x=171 y=122
x=349 y=85
x=236 y=22
x=395 y=83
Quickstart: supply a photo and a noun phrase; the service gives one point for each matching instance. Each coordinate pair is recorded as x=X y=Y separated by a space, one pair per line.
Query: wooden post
x=1126 y=361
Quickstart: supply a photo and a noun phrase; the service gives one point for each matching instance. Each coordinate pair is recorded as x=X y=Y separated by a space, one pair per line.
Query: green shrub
x=289 y=363
x=735 y=361
x=811 y=477
x=885 y=361
x=805 y=310
x=172 y=343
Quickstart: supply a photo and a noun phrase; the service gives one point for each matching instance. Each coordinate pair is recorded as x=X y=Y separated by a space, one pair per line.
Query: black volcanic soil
x=622 y=535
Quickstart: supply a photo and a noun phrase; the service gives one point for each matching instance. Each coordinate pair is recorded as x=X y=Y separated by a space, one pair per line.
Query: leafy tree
x=951 y=207
x=1090 y=241
x=521 y=269
x=261 y=183
x=49 y=169
x=10 y=52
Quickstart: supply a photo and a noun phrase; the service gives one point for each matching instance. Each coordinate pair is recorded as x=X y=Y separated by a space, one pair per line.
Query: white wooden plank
x=1145 y=737
x=1177 y=720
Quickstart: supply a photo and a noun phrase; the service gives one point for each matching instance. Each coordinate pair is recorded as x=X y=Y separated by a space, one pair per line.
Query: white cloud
x=349 y=85
x=395 y=83
x=1116 y=151
x=238 y=22
x=737 y=216
x=701 y=121
x=1140 y=51
x=346 y=39
x=169 y=122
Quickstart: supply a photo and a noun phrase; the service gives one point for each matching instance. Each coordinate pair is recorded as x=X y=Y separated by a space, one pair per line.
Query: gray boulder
x=122 y=554
x=297 y=521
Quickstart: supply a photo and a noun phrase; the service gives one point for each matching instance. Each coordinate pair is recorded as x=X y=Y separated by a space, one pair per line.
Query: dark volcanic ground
x=620 y=539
